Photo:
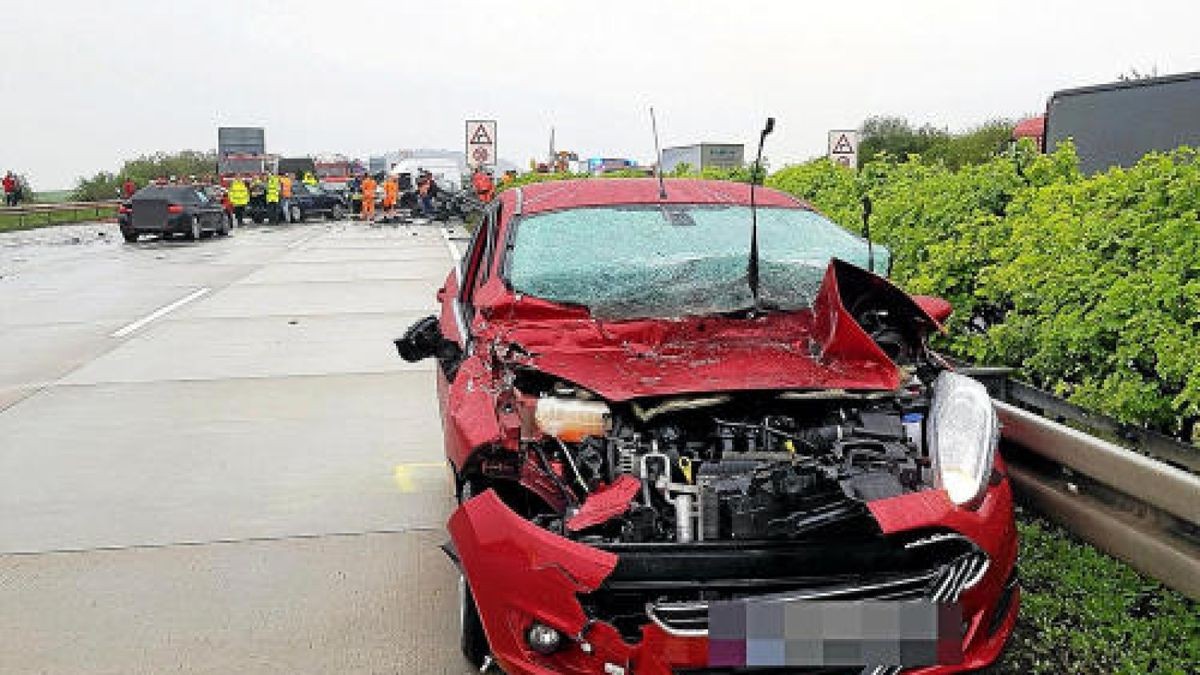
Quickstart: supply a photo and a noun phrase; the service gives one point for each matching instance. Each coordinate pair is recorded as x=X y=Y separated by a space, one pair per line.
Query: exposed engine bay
x=746 y=466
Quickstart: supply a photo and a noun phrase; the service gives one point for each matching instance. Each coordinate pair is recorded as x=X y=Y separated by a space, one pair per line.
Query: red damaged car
x=680 y=452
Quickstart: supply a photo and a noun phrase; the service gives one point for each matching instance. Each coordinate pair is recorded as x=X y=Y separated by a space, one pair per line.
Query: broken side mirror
x=422 y=340
x=938 y=309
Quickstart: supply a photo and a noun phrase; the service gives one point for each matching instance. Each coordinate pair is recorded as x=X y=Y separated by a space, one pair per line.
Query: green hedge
x=1090 y=286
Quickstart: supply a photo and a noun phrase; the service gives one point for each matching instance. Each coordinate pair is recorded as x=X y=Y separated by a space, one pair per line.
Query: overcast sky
x=86 y=84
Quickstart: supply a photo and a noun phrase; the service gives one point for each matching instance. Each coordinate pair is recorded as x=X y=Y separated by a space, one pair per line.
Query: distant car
x=172 y=209
x=306 y=201
x=311 y=200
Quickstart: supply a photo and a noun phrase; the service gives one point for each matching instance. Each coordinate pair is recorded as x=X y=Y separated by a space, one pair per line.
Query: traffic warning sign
x=843 y=147
x=481 y=143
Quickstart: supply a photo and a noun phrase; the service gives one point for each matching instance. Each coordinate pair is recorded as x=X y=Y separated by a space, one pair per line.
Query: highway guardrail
x=1134 y=494
x=33 y=212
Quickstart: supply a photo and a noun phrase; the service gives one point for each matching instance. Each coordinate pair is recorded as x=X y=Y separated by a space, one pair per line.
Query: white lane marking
x=454 y=253
x=300 y=242
x=161 y=311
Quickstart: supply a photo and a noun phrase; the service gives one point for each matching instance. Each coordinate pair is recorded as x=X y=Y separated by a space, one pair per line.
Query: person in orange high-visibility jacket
x=391 y=190
x=368 y=197
x=285 y=197
x=484 y=187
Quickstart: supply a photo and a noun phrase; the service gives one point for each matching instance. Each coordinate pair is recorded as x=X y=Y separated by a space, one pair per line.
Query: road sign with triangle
x=481 y=143
x=843 y=147
x=481 y=137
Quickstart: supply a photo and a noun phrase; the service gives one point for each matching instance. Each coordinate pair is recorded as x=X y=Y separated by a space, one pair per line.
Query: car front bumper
x=521 y=573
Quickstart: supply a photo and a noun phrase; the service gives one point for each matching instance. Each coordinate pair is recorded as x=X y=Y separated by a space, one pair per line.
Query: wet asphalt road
x=212 y=461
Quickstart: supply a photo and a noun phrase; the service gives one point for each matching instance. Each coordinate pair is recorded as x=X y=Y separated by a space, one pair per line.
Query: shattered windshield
x=663 y=261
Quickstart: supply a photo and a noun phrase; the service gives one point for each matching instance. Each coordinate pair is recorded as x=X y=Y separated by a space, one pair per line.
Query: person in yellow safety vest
x=285 y=197
x=309 y=179
x=273 y=198
x=239 y=196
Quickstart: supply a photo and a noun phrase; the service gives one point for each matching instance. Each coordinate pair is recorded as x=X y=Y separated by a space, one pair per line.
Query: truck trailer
x=1116 y=124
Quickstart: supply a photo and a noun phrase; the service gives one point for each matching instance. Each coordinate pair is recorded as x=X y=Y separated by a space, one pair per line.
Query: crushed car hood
x=817 y=348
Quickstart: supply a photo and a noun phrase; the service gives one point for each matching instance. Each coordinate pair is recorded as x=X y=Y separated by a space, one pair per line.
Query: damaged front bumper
x=644 y=608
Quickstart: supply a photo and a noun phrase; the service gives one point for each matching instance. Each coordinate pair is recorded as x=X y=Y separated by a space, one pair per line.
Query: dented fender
x=520 y=573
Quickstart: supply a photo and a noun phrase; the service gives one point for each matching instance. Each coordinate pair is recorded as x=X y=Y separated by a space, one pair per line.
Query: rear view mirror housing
x=422 y=340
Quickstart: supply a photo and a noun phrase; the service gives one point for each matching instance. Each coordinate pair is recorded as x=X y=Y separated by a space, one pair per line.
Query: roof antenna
x=866 y=208
x=662 y=186
x=752 y=269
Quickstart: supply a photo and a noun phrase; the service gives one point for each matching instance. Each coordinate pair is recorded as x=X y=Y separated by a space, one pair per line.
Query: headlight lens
x=963 y=435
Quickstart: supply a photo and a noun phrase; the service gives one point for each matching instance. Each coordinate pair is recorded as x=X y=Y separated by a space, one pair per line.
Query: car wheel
x=472 y=640
x=226 y=225
x=297 y=214
x=195 y=232
x=129 y=235
x=337 y=212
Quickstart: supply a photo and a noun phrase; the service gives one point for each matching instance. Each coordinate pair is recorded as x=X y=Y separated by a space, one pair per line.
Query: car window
x=483 y=272
x=655 y=261
x=471 y=261
x=199 y=196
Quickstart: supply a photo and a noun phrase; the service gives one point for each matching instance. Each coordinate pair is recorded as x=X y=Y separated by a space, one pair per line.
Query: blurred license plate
x=773 y=632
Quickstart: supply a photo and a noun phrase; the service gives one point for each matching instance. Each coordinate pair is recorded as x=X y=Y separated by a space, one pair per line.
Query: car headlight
x=963 y=435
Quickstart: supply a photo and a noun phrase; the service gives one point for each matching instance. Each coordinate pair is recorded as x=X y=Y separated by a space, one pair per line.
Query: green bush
x=1089 y=286
x=106 y=185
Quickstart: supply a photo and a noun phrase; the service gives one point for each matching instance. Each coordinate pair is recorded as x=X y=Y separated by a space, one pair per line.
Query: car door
x=207 y=211
x=461 y=431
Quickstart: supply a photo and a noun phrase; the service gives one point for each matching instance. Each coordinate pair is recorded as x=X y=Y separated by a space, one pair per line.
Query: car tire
x=337 y=212
x=297 y=214
x=194 y=231
x=129 y=235
x=472 y=639
x=226 y=225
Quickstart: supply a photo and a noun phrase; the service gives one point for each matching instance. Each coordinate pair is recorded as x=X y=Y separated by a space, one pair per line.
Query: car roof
x=584 y=192
x=164 y=191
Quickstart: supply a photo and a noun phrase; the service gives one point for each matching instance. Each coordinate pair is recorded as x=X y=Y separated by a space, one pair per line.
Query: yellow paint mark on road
x=410 y=475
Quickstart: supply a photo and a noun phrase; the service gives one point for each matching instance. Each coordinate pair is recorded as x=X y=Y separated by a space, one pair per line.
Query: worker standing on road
x=424 y=187
x=10 y=189
x=273 y=198
x=239 y=196
x=309 y=179
x=484 y=187
x=128 y=188
x=285 y=197
x=391 y=191
x=368 y=197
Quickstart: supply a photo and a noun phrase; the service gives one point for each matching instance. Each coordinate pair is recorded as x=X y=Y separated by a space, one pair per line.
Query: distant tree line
x=897 y=138
x=107 y=185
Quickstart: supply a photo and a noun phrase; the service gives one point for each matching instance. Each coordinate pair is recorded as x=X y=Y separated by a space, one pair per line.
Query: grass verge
x=1085 y=612
x=10 y=223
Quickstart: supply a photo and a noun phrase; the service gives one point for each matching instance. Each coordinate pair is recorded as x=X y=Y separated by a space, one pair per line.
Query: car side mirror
x=937 y=308
x=422 y=340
